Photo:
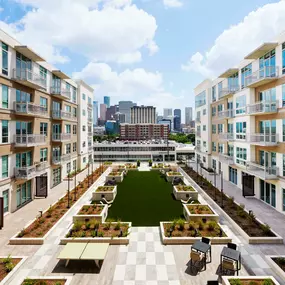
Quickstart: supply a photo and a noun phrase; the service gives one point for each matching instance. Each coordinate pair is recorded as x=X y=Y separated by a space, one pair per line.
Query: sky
x=153 y=52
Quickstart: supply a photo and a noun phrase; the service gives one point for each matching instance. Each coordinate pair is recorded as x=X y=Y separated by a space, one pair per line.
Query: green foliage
x=191 y=226
x=9 y=266
x=252 y=283
x=235 y=282
x=28 y=281
x=267 y=282
x=7 y=259
x=117 y=226
x=107 y=226
x=280 y=260
x=182 y=138
x=100 y=234
x=211 y=225
x=265 y=228
x=181 y=224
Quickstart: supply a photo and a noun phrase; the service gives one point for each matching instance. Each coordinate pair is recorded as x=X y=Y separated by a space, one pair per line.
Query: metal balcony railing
x=61 y=92
x=27 y=172
x=198 y=120
x=198 y=147
x=263 y=107
x=27 y=77
x=226 y=114
x=28 y=108
x=263 y=139
x=225 y=158
x=29 y=140
x=61 y=137
x=227 y=91
x=41 y=166
x=62 y=115
x=226 y=136
x=264 y=172
x=89 y=105
x=198 y=133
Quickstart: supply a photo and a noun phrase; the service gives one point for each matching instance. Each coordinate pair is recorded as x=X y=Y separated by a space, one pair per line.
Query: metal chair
x=206 y=240
x=197 y=260
x=213 y=282
x=228 y=267
x=232 y=246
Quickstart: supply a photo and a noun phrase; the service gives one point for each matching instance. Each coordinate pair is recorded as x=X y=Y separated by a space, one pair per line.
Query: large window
x=283 y=125
x=68 y=167
x=283 y=58
x=74 y=111
x=267 y=61
x=68 y=148
x=221 y=148
x=214 y=111
x=74 y=147
x=200 y=99
x=24 y=193
x=220 y=128
x=43 y=102
x=240 y=104
x=22 y=97
x=5 y=97
x=214 y=129
x=268 y=193
x=24 y=159
x=68 y=108
x=74 y=95
x=83 y=96
x=231 y=128
x=5 y=132
x=233 y=82
x=74 y=129
x=241 y=155
x=204 y=127
x=233 y=175
x=4 y=166
x=245 y=72
x=214 y=93
x=43 y=73
x=214 y=146
x=56 y=176
x=5 y=195
x=220 y=107
x=68 y=129
x=44 y=128
x=220 y=89
x=240 y=130
x=4 y=59
x=44 y=154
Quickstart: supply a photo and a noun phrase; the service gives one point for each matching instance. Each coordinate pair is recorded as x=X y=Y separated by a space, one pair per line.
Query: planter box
x=108 y=195
x=193 y=217
x=225 y=279
x=39 y=241
x=251 y=240
x=132 y=169
x=117 y=178
x=274 y=266
x=185 y=195
x=190 y=240
x=110 y=240
x=67 y=278
x=171 y=177
x=100 y=217
x=15 y=269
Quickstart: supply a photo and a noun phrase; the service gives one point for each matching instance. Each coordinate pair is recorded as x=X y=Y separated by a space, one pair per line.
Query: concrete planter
x=132 y=169
x=251 y=240
x=185 y=195
x=15 y=269
x=190 y=240
x=66 y=278
x=225 y=279
x=108 y=195
x=171 y=177
x=275 y=266
x=110 y=240
x=100 y=217
x=194 y=217
x=117 y=178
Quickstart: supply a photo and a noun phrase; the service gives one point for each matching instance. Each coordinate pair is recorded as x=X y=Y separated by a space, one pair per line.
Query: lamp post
x=222 y=193
x=75 y=183
x=68 y=190
x=215 y=183
x=88 y=172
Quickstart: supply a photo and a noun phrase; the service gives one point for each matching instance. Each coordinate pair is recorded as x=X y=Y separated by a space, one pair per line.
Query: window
x=283 y=95
x=56 y=176
x=74 y=95
x=220 y=148
x=74 y=147
x=200 y=99
x=5 y=96
x=214 y=146
x=214 y=93
x=268 y=193
x=267 y=64
x=83 y=144
x=43 y=102
x=24 y=193
x=231 y=150
x=24 y=159
x=213 y=111
x=204 y=112
x=74 y=111
x=204 y=127
x=84 y=159
x=220 y=89
x=83 y=96
x=22 y=96
x=220 y=107
x=68 y=129
x=4 y=59
x=83 y=112
x=74 y=165
x=44 y=128
x=233 y=175
x=68 y=167
x=241 y=131
x=4 y=166
x=83 y=128
x=68 y=108
x=204 y=144
x=241 y=155
x=43 y=152
x=214 y=129
x=283 y=58
x=283 y=200
x=67 y=148
x=5 y=132
x=245 y=72
x=231 y=128
x=214 y=164
x=74 y=128
x=240 y=104
x=5 y=195
x=220 y=128
x=89 y=101
x=43 y=73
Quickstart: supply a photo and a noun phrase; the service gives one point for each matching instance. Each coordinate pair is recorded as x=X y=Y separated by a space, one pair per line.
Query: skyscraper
x=125 y=108
x=95 y=113
x=111 y=111
x=143 y=115
x=188 y=115
x=103 y=109
x=107 y=101
x=177 y=123
x=167 y=112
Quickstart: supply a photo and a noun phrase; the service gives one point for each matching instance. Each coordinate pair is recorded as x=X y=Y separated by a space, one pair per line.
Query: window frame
x=5 y=58
x=5 y=172
x=5 y=103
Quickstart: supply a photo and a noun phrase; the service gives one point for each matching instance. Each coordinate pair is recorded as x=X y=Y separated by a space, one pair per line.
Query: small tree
x=138 y=163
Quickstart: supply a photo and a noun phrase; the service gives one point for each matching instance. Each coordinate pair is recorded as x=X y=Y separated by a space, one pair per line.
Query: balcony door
x=268 y=130
x=23 y=67
x=56 y=129
x=267 y=65
x=268 y=159
x=56 y=153
x=24 y=159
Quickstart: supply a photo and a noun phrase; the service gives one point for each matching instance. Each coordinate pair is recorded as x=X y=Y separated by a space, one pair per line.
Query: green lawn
x=145 y=199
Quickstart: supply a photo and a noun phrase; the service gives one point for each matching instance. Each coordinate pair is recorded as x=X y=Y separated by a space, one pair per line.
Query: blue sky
x=143 y=50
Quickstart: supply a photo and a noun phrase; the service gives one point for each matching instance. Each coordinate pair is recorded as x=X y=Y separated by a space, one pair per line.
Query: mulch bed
x=43 y=224
x=43 y=282
x=105 y=189
x=3 y=271
x=251 y=282
x=95 y=209
x=247 y=222
x=280 y=261
x=199 y=210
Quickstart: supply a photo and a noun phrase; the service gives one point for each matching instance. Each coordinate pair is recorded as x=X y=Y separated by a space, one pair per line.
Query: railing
x=27 y=172
x=56 y=159
x=263 y=107
x=58 y=114
x=90 y=120
x=30 y=108
x=28 y=75
x=90 y=134
x=263 y=138
x=61 y=91
x=198 y=133
x=226 y=136
x=266 y=172
x=30 y=139
x=89 y=105
x=228 y=91
x=41 y=166
x=198 y=120
x=61 y=137
x=198 y=147
x=90 y=148
x=225 y=158
x=226 y=114
x=266 y=72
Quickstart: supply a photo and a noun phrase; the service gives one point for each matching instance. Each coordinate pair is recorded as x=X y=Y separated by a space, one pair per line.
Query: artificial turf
x=145 y=198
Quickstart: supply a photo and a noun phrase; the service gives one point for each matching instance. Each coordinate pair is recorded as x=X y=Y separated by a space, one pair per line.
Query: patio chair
x=213 y=282
x=206 y=240
x=197 y=260
x=232 y=246
x=228 y=267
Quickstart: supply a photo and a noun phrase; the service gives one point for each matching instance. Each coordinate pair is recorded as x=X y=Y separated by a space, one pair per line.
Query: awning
x=60 y=74
x=29 y=53
x=262 y=50
x=229 y=72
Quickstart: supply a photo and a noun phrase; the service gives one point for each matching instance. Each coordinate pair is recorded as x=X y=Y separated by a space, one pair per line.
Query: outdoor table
x=203 y=248
x=232 y=254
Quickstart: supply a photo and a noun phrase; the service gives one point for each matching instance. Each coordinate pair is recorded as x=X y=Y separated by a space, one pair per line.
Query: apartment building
x=39 y=124
x=246 y=118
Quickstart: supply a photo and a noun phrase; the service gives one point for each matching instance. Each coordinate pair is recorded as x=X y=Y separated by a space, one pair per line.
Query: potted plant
x=150 y=162
x=138 y=163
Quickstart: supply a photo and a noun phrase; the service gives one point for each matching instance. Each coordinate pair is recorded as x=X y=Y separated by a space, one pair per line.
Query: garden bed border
x=192 y=194
x=251 y=240
x=112 y=193
x=14 y=240
x=225 y=279
x=60 y=277
x=100 y=217
x=275 y=267
x=193 y=217
x=171 y=177
x=118 y=178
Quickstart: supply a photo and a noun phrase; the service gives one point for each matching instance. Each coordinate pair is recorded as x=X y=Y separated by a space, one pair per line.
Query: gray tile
x=141 y=236
x=130 y=272
x=172 y=272
x=149 y=246
x=159 y=258
x=132 y=247
x=122 y=258
x=141 y=258
x=151 y=272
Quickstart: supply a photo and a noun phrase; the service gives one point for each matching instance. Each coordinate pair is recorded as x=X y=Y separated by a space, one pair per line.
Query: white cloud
x=240 y=39
x=138 y=85
x=1 y=9
x=101 y=30
x=172 y=3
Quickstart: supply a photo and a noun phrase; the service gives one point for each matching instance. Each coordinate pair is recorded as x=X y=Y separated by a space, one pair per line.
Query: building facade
x=39 y=124
x=242 y=123
x=107 y=101
x=188 y=115
x=143 y=132
x=125 y=108
x=95 y=113
x=111 y=111
x=143 y=115
x=103 y=110
x=167 y=112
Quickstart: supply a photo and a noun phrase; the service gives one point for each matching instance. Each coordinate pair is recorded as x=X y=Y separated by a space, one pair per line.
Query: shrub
x=7 y=259
x=235 y=282
x=211 y=226
x=191 y=226
x=107 y=226
x=77 y=225
x=28 y=281
x=83 y=234
x=117 y=226
x=253 y=283
x=100 y=234
x=173 y=224
x=280 y=260
x=265 y=228
x=57 y=283
x=231 y=200
x=181 y=224
x=267 y=282
x=201 y=226
x=49 y=212
x=9 y=267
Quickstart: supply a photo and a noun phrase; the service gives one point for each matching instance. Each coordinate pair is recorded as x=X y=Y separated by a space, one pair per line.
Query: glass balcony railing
x=29 y=140
x=61 y=137
x=28 y=78
x=62 y=115
x=263 y=107
x=61 y=92
x=28 y=108
x=264 y=172
x=27 y=172
x=261 y=76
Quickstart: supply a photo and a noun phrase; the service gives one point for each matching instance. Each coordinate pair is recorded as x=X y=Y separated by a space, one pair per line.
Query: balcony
x=262 y=76
x=198 y=147
x=29 y=140
x=226 y=136
x=89 y=105
x=198 y=120
x=198 y=133
x=263 y=172
x=225 y=158
x=62 y=115
x=263 y=139
x=57 y=160
x=60 y=93
x=90 y=148
x=25 y=173
x=30 y=109
x=28 y=78
x=226 y=114
x=41 y=167
x=90 y=134
x=228 y=91
x=61 y=137
x=264 y=107
x=89 y=120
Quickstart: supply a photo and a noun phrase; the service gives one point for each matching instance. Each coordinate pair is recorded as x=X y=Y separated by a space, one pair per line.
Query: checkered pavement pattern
x=145 y=261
